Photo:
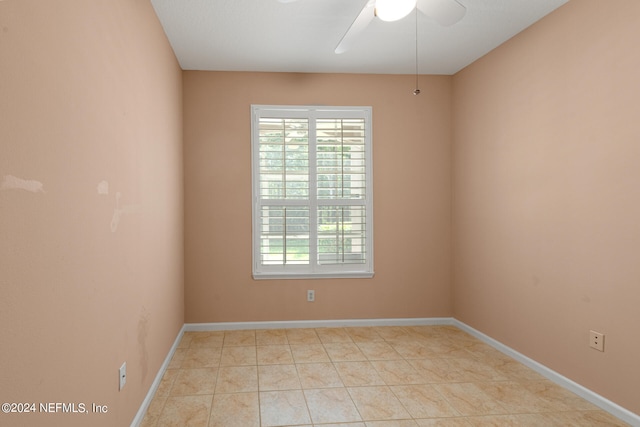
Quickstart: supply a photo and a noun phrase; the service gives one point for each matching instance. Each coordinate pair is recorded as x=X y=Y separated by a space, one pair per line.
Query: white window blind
x=312 y=192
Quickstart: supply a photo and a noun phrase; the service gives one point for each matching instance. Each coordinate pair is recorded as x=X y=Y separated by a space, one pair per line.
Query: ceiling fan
x=445 y=12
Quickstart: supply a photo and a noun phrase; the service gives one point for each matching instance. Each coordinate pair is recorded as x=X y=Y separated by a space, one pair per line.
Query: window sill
x=343 y=275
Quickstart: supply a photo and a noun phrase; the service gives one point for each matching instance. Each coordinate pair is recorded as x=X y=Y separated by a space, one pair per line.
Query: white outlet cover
x=596 y=340
x=123 y=375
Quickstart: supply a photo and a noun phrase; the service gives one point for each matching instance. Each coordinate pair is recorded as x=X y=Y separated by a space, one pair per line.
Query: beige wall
x=89 y=92
x=546 y=194
x=411 y=140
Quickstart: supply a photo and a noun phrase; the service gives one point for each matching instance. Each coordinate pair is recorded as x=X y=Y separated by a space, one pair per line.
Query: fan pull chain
x=416 y=90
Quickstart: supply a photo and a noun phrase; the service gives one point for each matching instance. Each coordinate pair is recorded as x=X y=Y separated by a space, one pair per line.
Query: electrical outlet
x=311 y=295
x=596 y=340
x=123 y=375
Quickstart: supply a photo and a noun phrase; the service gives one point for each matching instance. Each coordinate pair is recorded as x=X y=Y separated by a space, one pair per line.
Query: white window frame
x=313 y=269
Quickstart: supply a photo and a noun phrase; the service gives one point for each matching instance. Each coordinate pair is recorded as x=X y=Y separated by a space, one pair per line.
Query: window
x=312 y=192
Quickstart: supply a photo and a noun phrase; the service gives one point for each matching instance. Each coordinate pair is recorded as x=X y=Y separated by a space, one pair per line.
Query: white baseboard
x=601 y=402
x=230 y=326
x=156 y=382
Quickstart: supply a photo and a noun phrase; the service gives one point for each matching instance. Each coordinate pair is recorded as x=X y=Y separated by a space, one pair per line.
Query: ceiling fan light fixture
x=393 y=10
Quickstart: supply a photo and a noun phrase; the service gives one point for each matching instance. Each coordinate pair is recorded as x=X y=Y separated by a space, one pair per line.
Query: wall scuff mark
x=119 y=211
x=10 y=182
x=103 y=188
x=143 y=334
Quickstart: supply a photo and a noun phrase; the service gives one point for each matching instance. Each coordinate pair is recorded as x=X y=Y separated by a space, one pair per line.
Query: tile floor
x=357 y=377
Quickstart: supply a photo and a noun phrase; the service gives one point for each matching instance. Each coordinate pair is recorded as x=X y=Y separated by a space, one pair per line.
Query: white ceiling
x=266 y=35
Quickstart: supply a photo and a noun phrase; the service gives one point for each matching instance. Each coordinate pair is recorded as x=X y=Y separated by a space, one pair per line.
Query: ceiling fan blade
x=364 y=18
x=445 y=12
